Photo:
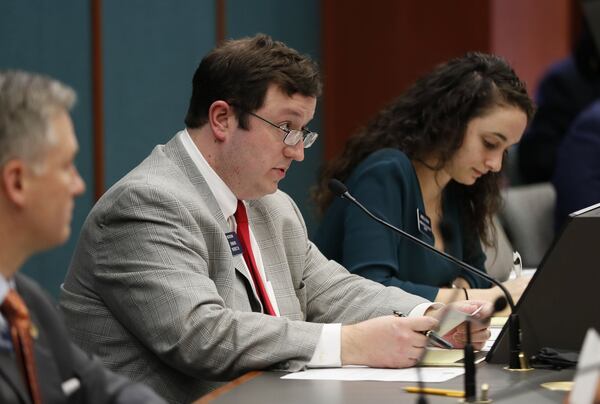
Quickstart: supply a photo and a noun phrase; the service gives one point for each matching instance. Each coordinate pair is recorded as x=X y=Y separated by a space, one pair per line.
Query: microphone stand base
x=484 y=397
x=523 y=364
x=476 y=401
x=518 y=370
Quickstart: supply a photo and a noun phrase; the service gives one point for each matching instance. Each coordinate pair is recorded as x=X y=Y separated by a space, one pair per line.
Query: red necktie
x=15 y=311
x=243 y=233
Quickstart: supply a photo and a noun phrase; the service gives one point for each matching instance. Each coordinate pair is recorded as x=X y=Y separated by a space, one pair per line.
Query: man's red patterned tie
x=243 y=233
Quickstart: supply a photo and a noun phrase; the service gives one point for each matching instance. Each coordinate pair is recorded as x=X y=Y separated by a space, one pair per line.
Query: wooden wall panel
x=373 y=50
x=531 y=34
x=371 y=54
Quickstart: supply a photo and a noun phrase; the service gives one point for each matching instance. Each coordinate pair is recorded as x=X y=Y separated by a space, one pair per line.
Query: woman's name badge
x=424 y=224
x=234 y=243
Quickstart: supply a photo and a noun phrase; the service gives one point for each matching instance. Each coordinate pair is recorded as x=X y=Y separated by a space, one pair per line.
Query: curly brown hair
x=432 y=117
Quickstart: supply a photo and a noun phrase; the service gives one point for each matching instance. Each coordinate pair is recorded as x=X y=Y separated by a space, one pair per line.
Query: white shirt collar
x=5 y=286
x=225 y=197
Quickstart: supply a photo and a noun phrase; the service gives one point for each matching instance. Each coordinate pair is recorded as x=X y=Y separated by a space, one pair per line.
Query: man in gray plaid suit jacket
x=157 y=291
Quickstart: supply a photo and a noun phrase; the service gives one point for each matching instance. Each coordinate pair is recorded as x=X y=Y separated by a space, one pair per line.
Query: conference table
x=268 y=387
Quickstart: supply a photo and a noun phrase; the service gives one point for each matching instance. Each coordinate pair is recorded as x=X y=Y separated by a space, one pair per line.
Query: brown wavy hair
x=432 y=117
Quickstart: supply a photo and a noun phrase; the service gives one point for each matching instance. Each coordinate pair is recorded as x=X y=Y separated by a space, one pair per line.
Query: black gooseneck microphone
x=518 y=359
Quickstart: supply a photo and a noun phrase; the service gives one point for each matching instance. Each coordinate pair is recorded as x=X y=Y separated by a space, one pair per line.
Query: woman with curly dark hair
x=430 y=164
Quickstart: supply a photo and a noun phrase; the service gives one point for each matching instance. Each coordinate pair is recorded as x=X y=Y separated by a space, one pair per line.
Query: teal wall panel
x=53 y=38
x=151 y=50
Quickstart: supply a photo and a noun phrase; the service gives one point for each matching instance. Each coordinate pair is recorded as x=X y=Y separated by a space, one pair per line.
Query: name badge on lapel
x=234 y=243
x=424 y=224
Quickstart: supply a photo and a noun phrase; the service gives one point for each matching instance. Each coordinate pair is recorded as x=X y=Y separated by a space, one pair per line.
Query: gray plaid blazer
x=155 y=292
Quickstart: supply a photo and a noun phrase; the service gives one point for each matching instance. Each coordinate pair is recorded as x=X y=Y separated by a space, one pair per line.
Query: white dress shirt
x=5 y=286
x=5 y=341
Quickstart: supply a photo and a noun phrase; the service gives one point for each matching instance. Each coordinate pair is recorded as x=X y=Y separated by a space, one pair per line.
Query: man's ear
x=13 y=181
x=222 y=119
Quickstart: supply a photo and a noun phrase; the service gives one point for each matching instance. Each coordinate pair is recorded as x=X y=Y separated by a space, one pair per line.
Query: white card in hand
x=452 y=318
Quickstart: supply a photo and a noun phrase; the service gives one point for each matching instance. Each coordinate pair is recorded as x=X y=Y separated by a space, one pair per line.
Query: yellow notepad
x=498 y=321
x=447 y=357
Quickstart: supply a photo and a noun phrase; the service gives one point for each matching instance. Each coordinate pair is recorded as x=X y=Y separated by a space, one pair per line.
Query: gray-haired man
x=38 y=183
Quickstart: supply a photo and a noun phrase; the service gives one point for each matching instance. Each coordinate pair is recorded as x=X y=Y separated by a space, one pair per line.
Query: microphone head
x=500 y=304
x=337 y=187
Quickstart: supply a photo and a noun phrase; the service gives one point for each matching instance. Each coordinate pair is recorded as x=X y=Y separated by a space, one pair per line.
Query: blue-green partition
x=150 y=51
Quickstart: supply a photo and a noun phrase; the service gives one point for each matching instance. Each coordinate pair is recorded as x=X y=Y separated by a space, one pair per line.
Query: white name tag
x=70 y=386
x=424 y=224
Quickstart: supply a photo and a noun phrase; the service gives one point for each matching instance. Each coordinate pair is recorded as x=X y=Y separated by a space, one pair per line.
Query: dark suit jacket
x=563 y=93
x=577 y=174
x=58 y=360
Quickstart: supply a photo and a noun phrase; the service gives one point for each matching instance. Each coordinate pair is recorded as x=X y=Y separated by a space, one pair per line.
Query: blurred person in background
x=568 y=88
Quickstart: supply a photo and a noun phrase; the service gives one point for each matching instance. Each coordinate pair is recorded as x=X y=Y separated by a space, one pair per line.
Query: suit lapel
x=275 y=264
x=44 y=335
x=49 y=376
x=10 y=371
x=240 y=267
x=176 y=152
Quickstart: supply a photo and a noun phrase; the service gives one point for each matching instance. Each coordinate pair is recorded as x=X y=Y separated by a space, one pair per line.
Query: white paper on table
x=356 y=373
x=588 y=370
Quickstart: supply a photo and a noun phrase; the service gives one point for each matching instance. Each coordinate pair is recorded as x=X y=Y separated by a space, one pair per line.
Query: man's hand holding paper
x=452 y=322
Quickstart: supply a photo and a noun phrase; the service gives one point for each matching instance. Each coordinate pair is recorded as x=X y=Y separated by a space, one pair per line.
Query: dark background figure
x=577 y=174
x=567 y=88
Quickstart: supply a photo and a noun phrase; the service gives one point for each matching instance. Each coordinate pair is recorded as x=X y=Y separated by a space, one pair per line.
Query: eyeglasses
x=292 y=136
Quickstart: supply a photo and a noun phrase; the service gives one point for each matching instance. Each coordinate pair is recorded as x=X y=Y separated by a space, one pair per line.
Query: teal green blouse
x=386 y=183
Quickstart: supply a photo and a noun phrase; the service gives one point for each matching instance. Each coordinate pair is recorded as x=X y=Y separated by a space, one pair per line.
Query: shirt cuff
x=420 y=309
x=328 y=353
